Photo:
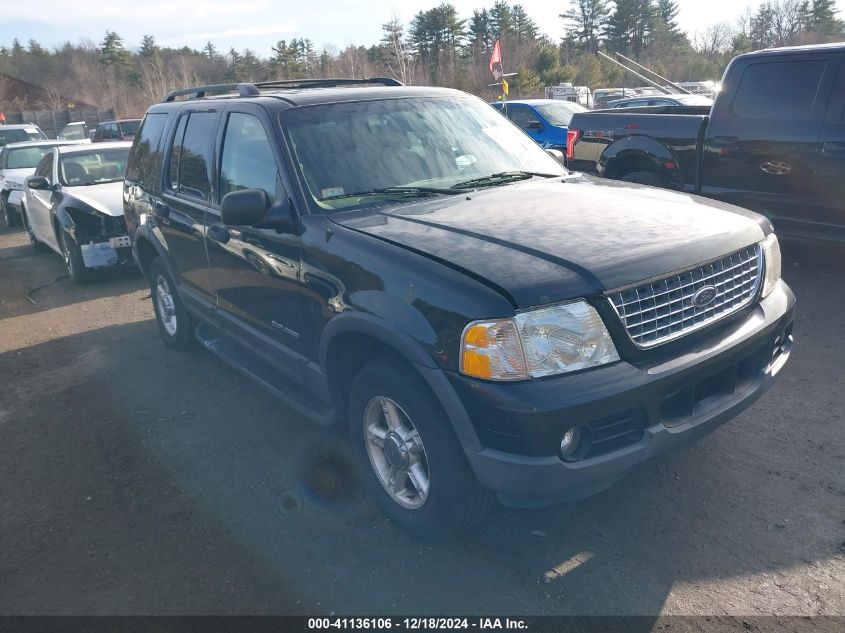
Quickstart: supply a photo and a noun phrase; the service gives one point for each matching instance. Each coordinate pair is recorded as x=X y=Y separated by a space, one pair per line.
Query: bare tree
x=715 y=40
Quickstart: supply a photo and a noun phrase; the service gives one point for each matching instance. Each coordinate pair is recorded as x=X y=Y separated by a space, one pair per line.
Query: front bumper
x=633 y=413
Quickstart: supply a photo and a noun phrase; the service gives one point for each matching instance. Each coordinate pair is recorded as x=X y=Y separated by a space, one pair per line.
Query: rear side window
x=779 y=90
x=247 y=159
x=145 y=155
x=190 y=157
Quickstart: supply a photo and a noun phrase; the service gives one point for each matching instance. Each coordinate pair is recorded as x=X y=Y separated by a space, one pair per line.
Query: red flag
x=496 y=61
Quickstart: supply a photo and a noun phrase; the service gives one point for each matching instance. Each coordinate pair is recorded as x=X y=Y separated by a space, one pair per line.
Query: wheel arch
x=352 y=340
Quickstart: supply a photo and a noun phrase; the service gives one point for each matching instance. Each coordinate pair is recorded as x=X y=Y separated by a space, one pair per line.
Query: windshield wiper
x=499 y=178
x=404 y=191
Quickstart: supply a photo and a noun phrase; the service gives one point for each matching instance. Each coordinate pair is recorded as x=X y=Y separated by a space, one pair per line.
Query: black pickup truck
x=774 y=141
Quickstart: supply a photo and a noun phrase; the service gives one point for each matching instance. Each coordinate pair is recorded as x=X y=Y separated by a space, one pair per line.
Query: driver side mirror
x=535 y=125
x=253 y=207
x=38 y=182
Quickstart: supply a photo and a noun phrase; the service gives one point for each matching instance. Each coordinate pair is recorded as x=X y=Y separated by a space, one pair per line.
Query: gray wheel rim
x=166 y=306
x=396 y=453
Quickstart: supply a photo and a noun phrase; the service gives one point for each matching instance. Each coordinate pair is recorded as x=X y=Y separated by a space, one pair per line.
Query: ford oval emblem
x=704 y=297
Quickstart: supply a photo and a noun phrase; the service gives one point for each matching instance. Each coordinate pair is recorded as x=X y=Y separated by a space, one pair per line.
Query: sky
x=258 y=24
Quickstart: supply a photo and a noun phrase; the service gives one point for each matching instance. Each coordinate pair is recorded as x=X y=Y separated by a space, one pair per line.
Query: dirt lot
x=136 y=480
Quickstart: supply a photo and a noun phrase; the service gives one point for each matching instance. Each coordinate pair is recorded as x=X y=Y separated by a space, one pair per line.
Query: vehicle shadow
x=141 y=480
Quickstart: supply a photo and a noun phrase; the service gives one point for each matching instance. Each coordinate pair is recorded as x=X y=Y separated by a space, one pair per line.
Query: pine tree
x=209 y=51
x=823 y=18
x=113 y=55
x=149 y=48
x=587 y=20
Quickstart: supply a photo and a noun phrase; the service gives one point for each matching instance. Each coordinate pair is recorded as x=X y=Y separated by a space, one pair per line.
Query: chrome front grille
x=663 y=310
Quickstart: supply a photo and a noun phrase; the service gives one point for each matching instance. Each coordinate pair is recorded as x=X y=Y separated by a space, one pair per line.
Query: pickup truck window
x=349 y=147
x=779 y=90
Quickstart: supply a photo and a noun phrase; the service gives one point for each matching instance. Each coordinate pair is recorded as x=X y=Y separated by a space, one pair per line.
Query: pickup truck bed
x=776 y=151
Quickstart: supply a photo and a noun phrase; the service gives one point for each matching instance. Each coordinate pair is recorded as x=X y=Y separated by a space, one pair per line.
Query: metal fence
x=52 y=121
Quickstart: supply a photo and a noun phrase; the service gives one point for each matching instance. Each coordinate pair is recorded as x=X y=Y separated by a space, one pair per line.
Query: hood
x=546 y=240
x=17 y=175
x=106 y=197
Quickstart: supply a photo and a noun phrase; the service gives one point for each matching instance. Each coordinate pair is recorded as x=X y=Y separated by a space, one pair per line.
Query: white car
x=19 y=132
x=74 y=205
x=17 y=161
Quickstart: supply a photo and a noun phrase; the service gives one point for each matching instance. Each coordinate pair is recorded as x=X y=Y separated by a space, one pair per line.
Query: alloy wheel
x=166 y=306
x=396 y=453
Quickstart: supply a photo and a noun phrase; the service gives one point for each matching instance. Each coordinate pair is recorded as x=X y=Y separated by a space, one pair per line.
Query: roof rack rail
x=327 y=83
x=252 y=89
x=198 y=92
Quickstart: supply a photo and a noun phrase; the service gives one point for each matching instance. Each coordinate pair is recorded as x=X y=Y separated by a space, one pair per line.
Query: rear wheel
x=33 y=241
x=418 y=472
x=175 y=323
x=76 y=269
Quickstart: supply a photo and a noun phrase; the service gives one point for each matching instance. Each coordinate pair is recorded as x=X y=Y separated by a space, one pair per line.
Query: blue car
x=544 y=120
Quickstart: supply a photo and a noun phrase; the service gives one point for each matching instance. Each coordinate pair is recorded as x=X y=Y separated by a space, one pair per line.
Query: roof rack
x=252 y=89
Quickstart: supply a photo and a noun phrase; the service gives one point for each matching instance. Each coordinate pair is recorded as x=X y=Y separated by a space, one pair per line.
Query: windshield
x=129 y=128
x=559 y=114
x=73 y=132
x=24 y=157
x=347 y=148
x=19 y=135
x=93 y=167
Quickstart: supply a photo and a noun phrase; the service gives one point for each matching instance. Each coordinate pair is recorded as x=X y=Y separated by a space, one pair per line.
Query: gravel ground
x=136 y=480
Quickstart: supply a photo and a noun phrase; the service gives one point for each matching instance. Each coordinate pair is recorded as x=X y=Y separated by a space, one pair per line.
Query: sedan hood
x=546 y=240
x=106 y=198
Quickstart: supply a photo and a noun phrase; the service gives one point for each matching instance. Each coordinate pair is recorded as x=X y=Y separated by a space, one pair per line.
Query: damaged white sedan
x=74 y=205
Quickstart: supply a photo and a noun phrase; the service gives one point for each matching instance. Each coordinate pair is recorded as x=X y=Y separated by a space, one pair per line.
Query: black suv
x=406 y=261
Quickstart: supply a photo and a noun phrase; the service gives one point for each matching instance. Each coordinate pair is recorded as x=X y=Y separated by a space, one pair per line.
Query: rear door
x=186 y=192
x=761 y=145
x=256 y=272
x=830 y=167
x=525 y=117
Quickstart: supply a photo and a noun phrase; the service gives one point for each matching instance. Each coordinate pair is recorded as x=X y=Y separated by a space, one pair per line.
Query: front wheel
x=418 y=472
x=76 y=269
x=175 y=323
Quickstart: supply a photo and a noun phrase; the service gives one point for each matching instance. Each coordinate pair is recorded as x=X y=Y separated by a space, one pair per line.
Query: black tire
x=37 y=246
x=76 y=269
x=178 y=333
x=454 y=499
x=9 y=216
x=651 y=178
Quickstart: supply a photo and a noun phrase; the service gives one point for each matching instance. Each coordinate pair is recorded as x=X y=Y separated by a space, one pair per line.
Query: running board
x=262 y=373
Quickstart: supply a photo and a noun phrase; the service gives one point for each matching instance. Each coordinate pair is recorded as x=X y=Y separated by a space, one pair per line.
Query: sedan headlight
x=536 y=343
x=772 y=262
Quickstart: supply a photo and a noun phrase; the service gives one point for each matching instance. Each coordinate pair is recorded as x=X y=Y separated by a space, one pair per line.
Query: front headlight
x=772 y=262
x=542 y=342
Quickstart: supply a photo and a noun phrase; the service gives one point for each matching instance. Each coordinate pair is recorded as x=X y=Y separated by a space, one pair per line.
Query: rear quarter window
x=784 y=90
x=145 y=156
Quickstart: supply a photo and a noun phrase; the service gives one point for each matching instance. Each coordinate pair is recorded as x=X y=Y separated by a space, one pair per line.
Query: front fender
x=147 y=234
x=411 y=350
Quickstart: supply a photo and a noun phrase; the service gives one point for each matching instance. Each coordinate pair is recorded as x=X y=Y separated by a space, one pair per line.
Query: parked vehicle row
x=406 y=263
x=779 y=152
x=544 y=120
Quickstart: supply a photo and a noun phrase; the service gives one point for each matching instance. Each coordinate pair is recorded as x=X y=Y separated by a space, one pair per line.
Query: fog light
x=570 y=441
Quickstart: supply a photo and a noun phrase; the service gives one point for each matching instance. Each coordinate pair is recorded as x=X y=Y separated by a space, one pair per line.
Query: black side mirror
x=253 y=207
x=535 y=125
x=38 y=182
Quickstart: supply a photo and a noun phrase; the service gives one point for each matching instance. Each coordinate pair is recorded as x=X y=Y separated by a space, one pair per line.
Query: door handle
x=836 y=149
x=218 y=233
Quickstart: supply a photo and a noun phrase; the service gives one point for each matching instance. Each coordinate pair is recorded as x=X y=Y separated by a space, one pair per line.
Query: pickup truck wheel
x=175 y=323
x=419 y=474
x=76 y=269
x=652 y=178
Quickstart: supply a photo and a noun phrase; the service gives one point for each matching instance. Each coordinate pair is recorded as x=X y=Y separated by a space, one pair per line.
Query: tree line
x=438 y=46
